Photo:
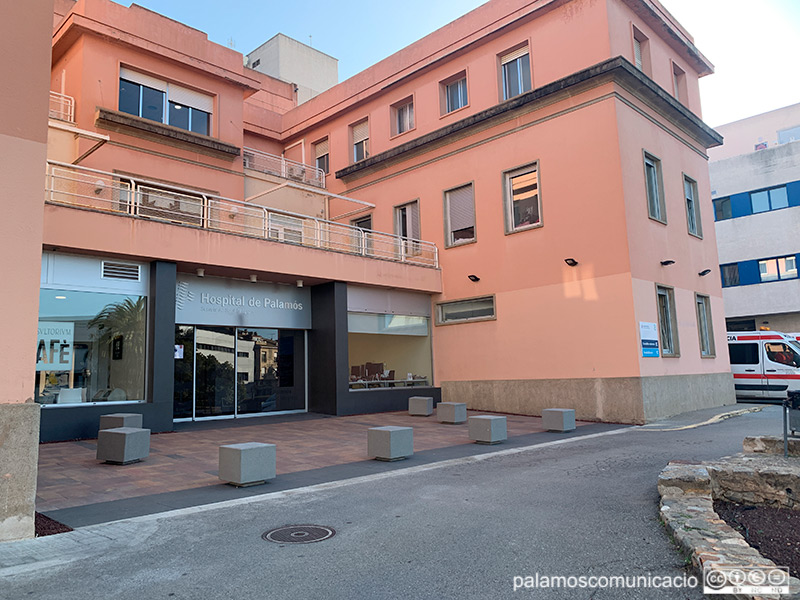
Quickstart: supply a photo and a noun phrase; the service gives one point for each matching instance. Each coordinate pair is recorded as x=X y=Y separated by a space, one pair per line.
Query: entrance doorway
x=227 y=372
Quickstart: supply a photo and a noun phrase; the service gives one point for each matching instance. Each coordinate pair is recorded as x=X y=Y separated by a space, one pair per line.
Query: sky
x=753 y=44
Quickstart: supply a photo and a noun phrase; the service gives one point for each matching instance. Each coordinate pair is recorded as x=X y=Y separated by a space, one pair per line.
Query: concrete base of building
x=19 y=460
x=635 y=400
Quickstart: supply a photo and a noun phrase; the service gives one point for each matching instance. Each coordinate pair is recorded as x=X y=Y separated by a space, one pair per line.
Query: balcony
x=62 y=107
x=85 y=188
x=282 y=167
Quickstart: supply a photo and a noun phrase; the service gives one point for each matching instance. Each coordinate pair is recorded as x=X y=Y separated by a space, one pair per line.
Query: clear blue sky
x=755 y=45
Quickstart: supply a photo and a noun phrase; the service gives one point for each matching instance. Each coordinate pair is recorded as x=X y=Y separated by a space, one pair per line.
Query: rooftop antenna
x=231 y=43
x=310 y=42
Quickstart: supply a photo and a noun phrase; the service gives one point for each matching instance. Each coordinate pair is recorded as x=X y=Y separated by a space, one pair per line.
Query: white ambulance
x=765 y=364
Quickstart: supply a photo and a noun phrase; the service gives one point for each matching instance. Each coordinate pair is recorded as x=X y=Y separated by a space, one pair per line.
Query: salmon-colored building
x=512 y=212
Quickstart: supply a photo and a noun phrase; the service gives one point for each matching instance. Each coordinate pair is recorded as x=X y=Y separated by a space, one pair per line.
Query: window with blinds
x=515 y=67
x=460 y=215
x=360 y=133
x=641 y=57
x=321 y=155
x=151 y=98
x=523 y=203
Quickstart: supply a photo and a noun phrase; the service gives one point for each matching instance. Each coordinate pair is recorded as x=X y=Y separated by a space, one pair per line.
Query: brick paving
x=70 y=476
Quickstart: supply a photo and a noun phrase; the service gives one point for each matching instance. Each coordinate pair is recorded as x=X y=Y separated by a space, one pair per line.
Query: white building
x=755 y=186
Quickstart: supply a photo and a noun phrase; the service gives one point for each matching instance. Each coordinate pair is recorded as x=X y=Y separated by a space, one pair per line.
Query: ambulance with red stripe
x=765 y=364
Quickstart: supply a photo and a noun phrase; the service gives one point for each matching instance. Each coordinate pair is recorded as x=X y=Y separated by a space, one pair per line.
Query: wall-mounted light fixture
x=666 y=263
x=299 y=283
x=253 y=278
x=473 y=278
x=201 y=272
x=571 y=262
x=704 y=272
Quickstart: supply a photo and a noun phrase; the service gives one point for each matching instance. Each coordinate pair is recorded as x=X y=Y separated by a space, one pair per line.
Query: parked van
x=765 y=364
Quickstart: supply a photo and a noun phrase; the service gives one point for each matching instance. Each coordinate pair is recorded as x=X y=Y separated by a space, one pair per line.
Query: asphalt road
x=464 y=530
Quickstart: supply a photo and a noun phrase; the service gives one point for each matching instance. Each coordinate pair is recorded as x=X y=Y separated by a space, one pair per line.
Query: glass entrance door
x=215 y=355
x=228 y=371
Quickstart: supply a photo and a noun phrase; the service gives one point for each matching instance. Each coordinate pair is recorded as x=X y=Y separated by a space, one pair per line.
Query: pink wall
x=23 y=146
x=621 y=18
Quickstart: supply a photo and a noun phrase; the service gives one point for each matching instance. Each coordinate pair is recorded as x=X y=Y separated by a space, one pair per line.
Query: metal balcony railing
x=62 y=107
x=283 y=167
x=98 y=190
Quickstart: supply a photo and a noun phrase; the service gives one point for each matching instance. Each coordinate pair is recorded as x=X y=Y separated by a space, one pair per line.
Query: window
x=692 y=207
x=641 y=51
x=783 y=354
x=460 y=311
x=403 y=116
x=407 y=220
x=704 y=327
x=459 y=215
x=667 y=321
x=523 y=205
x=516 y=72
x=789 y=135
x=360 y=133
x=730 y=275
x=91 y=347
x=321 y=154
x=363 y=242
x=722 y=209
x=655 y=188
x=771 y=199
x=147 y=97
x=454 y=93
x=774 y=269
x=743 y=354
x=679 y=84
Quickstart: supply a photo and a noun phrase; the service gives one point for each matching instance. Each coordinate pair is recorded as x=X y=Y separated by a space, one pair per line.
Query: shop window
x=522 y=199
x=388 y=351
x=91 y=347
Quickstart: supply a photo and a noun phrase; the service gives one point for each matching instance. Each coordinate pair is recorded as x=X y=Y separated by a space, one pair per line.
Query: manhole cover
x=298 y=534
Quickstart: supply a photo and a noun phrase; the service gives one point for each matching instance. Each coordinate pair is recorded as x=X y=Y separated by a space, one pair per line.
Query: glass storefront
x=388 y=350
x=90 y=347
x=229 y=371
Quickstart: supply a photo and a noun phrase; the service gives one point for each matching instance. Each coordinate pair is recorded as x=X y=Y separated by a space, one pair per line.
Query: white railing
x=283 y=167
x=62 y=107
x=98 y=190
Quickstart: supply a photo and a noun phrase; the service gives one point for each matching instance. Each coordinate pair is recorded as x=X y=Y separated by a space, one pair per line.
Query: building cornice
x=617 y=70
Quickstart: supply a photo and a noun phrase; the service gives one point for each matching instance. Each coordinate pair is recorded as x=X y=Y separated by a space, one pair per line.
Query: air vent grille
x=117 y=270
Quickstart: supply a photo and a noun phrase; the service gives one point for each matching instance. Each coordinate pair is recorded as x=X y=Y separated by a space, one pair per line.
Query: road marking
x=362 y=479
x=714 y=419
